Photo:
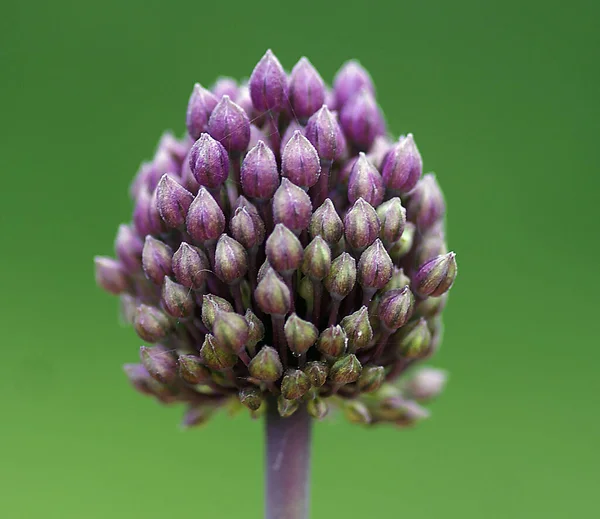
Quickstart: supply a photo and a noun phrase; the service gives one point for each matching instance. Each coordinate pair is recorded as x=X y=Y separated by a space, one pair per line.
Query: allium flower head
x=285 y=251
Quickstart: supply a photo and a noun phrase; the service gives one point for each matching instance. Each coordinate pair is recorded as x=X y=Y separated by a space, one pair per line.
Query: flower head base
x=285 y=251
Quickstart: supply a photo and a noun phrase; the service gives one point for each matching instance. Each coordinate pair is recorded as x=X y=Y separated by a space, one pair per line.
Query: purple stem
x=287 y=464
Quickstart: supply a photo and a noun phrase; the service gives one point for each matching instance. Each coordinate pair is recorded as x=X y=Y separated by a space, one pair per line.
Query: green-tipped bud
x=358 y=329
x=266 y=365
x=256 y=329
x=211 y=305
x=426 y=384
x=231 y=260
x=231 y=330
x=371 y=379
x=414 y=339
x=295 y=384
x=151 y=324
x=215 y=355
x=247 y=228
x=374 y=267
x=251 y=397
x=191 y=369
x=436 y=276
x=299 y=334
x=392 y=217
x=402 y=247
x=159 y=363
x=400 y=411
x=283 y=249
x=285 y=407
x=272 y=294
x=333 y=341
x=396 y=308
x=361 y=225
x=346 y=370
x=325 y=222
x=306 y=289
x=317 y=408
x=398 y=280
x=317 y=373
x=177 y=300
x=317 y=259
x=341 y=278
x=356 y=412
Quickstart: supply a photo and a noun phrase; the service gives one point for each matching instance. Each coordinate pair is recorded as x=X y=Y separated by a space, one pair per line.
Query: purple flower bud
x=358 y=329
x=247 y=229
x=362 y=120
x=392 y=217
x=317 y=259
x=231 y=330
x=230 y=125
x=396 y=308
x=159 y=363
x=263 y=270
x=272 y=294
x=157 y=224
x=190 y=266
x=325 y=222
x=429 y=247
x=175 y=148
x=256 y=135
x=300 y=335
x=426 y=384
x=110 y=275
x=415 y=339
x=317 y=372
x=292 y=128
x=151 y=324
x=371 y=379
x=426 y=205
x=211 y=306
x=177 y=300
x=209 y=162
x=374 y=266
x=268 y=84
x=225 y=86
x=291 y=206
x=378 y=150
x=283 y=249
x=186 y=177
x=398 y=280
x=156 y=259
x=402 y=167
x=191 y=369
x=345 y=370
x=306 y=89
x=300 y=162
x=333 y=341
x=325 y=134
x=361 y=225
x=436 y=276
x=365 y=182
x=201 y=104
x=216 y=356
x=295 y=384
x=162 y=163
x=350 y=80
x=266 y=365
x=231 y=260
x=342 y=276
x=128 y=246
x=173 y=201
x=259 y=175
x=141 y=213
x=205 y=220
x=244 y=100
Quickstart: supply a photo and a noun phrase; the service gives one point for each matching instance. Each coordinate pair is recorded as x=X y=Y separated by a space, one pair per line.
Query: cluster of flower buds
x=287 y=251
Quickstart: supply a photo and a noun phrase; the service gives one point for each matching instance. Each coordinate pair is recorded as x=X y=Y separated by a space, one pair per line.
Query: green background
x=503 y=100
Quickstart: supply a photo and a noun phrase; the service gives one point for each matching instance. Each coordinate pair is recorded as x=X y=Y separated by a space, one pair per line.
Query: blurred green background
x=503 y=100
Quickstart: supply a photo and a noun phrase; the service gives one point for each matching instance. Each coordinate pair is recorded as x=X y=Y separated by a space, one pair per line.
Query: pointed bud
x=231 y=330
x=141 y=213
x=190 y=266
x=264 y=269
x=291 y=206
x=317 y=373
x=251 y=397
x=155 y=221
x=317 y=259
x=436 y=276
x=139 y=378
x=402 y=166
x=325 y=222
x=342 y=276
x=300 y=334
x=403 y=246
x=332 y=341
x=243 y=99
x=361 y=225
x=350 y=80
x=365 y=182
x=357 y=413
x=259 y=174
x=211 y=306
x=272 y=294
x=283 y=249
x=159 y=363
x=191 y=369
x=289 y=132
x=173 y=201
x=266 y=366
x=295 y=384
x=205 y=219
x=129 y=246
x=392 y=217
x=432 y=306
x=256 y=329
x=231 y=260
x=317 y=408
x=201 y=104
x=426 y=205
x=268 y=84
x=325 y=134
x=247 y=229
x=256 y=134
x=151 y=324
x=110 y=275
x=156 y=258
x=176 y=149
x=371 y=379
x=362 y=120
x=300 y=162
x=209 y=162
x=426 y=384
x=398 y=280
x=374 y=266
x=286 y=408
x=396 y=308
x=306 y=91
x=345 y=370
x=177 y=300
x=414 y=339
x=230 y=125
x=402 y=412
x=215 y=355
x=358 y=329
x=225 y=86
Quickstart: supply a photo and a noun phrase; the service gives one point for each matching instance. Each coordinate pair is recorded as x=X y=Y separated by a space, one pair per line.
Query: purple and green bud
x=159 y=363
x=299 y=334
x=300 y=161
x=251 y=397
x=176 y=299
x=345 y=370
x=128 y=247
x=229 y=124
x=398 y=280
x=402 y=166
x=209 y=162
x=431 y=306
x=190 y=266
x=256 y=329
x=287 y=408
x=284 y=250
x=357 y=329
x=365 y=182
x=291 y=206
x=110 y=275
x=357 y=413
x=326 y=223
x=426 y=206
x=231 y=260
x=371 y=379
x=306 y=89
x=317 y=259
x=341 y=278
x=362 y=120
x=191 y=370
x=414 y=339
x=374 y=267
x=333 y=341
x=205 y=220
x=156 y=259
x=317 y=372
x=435 y=277
x=361 y=225
x=173 y=201
x=396 y=308
x=231 y=330
x=259 y=173
x=247 y=229
x=268 y=84
x=217 y=356
x=272 y=295
x=211 y=306
x=201 y=104
x=266 y=365
x=317 y=408
x=403 y=246
x=225 y=86
x=392 y=217
x=151 y=324
x=295 y=384
x=325 y=134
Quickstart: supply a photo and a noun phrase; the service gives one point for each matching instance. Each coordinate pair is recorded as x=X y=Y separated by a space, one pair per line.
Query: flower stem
x=287 y=464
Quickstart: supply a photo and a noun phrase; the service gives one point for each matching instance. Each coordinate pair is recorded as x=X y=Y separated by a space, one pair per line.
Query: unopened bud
x=402 y=167
x=396 y=308
x=392 y=217
x=286 y=408
x=357 y=413
x=358 y=329
x=251 y=397
x=398 y=280
x=295 y=384
x=209 y=162
x=345 y=370
x=371 y=379
x=325 y=222
x=159 y=363
x=268 y=84
x=426 y=205
x=156 y=259
x=110 y=275
x=231 y=260
x=173 y=201
x=230 y=330
x=374 y=267
x=362 y=120
x=415 y=338
x=426 y=384
x=202 y=103
x=205 y=220
x=317 y=372
x=266 y=365
x=300 y=161
x=211 y=306
x=317 y=408
x=177 y=300
x=291 y=206
x=361 y=225
x=283 y=249
x=272 y=294
x=432 y=306
x=195 y=417
x=317 y=259
x=403 y=246
x=365 y=182
x=259 y=174
x=151 y=324
x=215 y=355
x=436 y=276
x=306 y=91
x=190 y=266
x=300 y=334
x=341 y=278
x=325 y=134
x=191 y=369
x=256 y=329
x=129 y=246
x=230 y=125
x=247 y=229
